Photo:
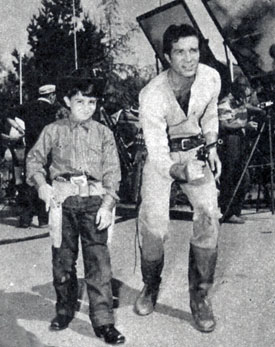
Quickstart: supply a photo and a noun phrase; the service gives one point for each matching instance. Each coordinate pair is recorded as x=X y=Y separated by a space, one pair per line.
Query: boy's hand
x=103 y=218
x=45 y=193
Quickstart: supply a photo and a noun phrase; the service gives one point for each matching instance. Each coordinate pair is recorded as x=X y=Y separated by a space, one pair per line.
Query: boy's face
x=82 y=107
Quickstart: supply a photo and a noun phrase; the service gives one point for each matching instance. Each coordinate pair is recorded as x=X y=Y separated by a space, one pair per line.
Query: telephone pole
x=75 y=38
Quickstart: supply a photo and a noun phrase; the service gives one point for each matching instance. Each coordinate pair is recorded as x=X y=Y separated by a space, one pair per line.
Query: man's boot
x=202 y=263
x=151 y=271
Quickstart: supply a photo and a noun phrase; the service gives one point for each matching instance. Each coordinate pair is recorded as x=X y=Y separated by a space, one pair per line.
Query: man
x=178 y=113
x=36 y=115
x=236 y=112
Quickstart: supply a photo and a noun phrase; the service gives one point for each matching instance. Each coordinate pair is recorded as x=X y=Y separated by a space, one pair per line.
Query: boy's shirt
x=76 y=148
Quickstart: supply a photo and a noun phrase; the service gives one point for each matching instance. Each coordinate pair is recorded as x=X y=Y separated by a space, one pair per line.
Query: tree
x=9 y=89
x=118 y=31
x=51 y=37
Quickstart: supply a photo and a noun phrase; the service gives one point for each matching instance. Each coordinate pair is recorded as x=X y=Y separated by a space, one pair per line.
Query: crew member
x=235 y=128
x=36 y=115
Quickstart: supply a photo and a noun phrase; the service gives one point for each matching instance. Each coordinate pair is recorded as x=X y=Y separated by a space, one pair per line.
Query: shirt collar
x=85 y=124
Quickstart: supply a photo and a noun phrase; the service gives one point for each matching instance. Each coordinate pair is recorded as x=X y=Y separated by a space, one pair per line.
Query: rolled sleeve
x=154 y=125
x=210 y=121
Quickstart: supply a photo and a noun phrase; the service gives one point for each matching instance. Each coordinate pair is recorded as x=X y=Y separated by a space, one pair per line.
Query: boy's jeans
x=78 y=218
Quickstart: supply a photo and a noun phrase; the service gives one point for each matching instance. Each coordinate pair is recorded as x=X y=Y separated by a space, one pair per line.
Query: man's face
x=184 y=56
x=52 y=98
x=82 y=107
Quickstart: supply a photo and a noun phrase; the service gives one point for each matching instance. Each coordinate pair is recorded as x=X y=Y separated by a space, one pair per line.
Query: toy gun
x=203 y=152
x=121 y=146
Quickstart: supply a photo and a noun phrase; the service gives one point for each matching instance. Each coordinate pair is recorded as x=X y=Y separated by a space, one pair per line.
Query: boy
x=85 y=174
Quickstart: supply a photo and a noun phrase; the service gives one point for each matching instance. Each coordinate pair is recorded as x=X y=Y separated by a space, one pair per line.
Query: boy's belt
x=71 y=185
x=186 y=143
x=67 y=177
x=62 y=189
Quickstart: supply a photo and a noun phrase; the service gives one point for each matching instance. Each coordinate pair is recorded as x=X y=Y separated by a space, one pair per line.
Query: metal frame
x=226 y=41
x=164 y=8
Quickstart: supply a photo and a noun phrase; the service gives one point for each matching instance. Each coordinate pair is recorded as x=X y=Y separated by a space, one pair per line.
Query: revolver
x=203 y=152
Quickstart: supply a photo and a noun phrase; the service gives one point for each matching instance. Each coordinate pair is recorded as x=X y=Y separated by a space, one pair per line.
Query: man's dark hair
x=174 y=32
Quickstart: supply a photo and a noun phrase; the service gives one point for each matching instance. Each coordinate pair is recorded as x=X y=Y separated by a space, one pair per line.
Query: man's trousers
x=153 y=217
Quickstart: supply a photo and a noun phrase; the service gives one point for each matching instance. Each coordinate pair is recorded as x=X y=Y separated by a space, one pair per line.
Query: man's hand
x=189 y=172
x=177 y=171
x=16 y=137
x=103 y=218
x=45 y=193
x=20 y=130
x=252 y=125
x=214 y=162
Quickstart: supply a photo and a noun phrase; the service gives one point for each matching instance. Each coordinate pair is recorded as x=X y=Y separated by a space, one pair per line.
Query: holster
x=61 y=191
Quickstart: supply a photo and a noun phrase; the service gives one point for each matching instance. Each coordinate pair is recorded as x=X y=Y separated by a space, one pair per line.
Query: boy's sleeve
x=37 y=159
x=111 y=165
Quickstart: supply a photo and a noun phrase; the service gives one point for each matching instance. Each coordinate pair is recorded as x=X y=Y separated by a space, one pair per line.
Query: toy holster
x=77 y=186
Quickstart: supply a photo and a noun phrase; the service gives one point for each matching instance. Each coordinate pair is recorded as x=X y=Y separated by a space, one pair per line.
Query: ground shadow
x=175 y=313
x=39 y=306
x=127 y=297
x=123 y=295
x=21 y=305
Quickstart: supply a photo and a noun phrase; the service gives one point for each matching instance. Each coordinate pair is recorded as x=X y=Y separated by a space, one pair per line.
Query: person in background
x=36 y=115
x=84 y=179
x=234 y=122
x=178 y=115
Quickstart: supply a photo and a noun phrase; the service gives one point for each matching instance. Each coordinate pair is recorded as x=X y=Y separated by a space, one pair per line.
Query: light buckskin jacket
x=161 y=115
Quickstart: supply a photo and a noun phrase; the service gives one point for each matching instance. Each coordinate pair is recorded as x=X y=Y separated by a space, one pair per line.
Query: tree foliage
x=118 y=30
x=51 y=38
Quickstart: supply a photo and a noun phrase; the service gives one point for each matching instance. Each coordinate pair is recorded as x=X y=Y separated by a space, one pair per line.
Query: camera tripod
x=267 y=122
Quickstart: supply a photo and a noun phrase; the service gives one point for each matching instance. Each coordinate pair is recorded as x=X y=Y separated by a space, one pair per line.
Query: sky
x=15 y=16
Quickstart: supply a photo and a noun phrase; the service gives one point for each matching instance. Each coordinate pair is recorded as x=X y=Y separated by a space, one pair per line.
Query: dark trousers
x=233 y=157
x=78 y=219
x=32 y=205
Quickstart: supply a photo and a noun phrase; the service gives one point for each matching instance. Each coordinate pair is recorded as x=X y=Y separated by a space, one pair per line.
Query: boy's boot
x=202 y=263
x=151 y=271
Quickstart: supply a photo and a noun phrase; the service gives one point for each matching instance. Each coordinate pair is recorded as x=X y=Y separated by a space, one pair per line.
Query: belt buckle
x=82 y=183
x=183 y=141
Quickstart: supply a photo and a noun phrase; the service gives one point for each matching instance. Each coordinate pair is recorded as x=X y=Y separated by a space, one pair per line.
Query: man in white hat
x=36 y=115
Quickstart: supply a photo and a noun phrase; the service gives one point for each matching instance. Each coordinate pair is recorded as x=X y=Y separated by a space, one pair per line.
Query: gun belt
x=186 y=143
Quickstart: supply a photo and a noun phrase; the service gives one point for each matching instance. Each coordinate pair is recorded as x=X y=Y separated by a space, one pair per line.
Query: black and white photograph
x=137 y=148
